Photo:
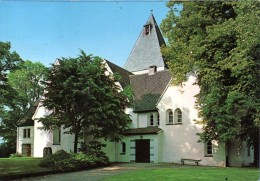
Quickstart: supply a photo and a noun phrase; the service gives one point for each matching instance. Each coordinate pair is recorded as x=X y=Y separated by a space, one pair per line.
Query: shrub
x=51 y=160
x=15 y=155
x=64 y=161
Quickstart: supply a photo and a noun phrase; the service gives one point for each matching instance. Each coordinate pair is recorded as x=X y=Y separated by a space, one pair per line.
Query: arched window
x=170 y=117
x=151 y=120
x=178 y=115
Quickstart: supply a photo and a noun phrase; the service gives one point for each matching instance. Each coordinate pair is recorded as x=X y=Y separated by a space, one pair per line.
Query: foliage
x=219 y=43
x=15 y=155
x=6 y=149
x=27 y=83
x=9 y=61
x=64 y=161
x=94 y=149
x=84 y=99
x=25 y=88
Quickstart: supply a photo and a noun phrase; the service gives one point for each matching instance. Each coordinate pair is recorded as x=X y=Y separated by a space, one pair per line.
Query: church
x=162 y=128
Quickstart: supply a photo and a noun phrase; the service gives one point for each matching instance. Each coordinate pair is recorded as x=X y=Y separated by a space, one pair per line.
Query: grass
x=20 y=165
x=190 y=174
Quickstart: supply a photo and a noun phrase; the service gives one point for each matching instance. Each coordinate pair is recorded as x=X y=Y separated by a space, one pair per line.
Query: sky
x=46 y=30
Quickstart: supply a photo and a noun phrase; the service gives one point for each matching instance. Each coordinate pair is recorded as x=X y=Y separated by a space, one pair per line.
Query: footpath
x=99 y=173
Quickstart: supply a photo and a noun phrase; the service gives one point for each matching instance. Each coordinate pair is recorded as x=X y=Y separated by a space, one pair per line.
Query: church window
x=208 y=148
x=169 y=116
x=123 y=145
x=158 y=119
x=178 y=116
x=151 y=120
x=27 y=133
x=147 y=29
x=56 y=136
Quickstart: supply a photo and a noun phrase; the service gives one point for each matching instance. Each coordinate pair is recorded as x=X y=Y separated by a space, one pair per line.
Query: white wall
x=44 y=138
x=180 y=140
x=21 y=140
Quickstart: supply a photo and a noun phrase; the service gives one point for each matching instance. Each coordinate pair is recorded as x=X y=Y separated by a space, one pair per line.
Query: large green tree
x=219 y=43
x=9 y=61
x=24 y=88
x=84 y=99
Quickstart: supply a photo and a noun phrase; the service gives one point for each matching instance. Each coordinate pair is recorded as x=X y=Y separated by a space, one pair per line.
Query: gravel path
x=100 y=173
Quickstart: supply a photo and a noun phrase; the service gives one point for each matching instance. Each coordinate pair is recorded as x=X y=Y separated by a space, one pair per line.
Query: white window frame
x=169 y=116
x=178 y=116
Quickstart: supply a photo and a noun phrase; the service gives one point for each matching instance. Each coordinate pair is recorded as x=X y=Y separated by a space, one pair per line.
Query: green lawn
x=190 y=174
x=9 y=166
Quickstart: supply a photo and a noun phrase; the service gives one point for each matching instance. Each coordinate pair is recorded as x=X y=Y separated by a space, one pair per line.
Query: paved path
x=100 y=173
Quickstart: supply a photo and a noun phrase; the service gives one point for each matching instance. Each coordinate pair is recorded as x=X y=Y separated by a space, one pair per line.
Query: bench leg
x=182 y=162
x=196 y=163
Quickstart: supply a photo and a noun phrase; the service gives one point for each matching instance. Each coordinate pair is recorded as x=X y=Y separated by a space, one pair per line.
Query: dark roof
x=26 y=119
x=148 y=89
x=146 y=51
x=124 y=81
x=139 y=131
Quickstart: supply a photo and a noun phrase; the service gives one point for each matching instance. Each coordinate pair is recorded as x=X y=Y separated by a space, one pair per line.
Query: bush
x=64 y=161
x=15 y=155
x=51 y=160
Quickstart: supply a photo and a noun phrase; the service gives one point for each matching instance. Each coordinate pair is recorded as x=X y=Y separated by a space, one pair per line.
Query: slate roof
x=124 y=81
x=26 y=119
x=146 y=51
x=148 y=89
x=140 y=131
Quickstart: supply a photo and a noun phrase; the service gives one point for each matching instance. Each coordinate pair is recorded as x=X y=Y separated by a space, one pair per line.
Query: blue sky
x=46 y=30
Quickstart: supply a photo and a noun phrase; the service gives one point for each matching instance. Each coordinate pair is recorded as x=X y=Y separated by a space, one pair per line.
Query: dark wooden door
x=142 y=151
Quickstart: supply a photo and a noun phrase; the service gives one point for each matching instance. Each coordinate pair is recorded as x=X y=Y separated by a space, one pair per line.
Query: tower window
x=147 y=29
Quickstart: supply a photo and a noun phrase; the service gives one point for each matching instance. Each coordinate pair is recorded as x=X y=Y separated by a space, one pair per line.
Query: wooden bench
x=190 y=160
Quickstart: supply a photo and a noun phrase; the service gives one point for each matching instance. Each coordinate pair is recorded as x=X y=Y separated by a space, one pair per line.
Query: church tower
x=146 y=52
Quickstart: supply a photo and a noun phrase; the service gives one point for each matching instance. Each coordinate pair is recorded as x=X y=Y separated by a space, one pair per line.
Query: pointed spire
x=146 y=51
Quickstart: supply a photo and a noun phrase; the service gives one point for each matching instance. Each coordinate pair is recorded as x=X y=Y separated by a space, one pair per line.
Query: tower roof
x=146 y=51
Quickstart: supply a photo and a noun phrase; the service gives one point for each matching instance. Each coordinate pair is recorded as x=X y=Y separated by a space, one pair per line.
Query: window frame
x=208 y=149
x=169 y=117
x=27 y=133
x=123 y=148
x=151 y=119
x=147 y=29
x=56 y=141
x=178 y=117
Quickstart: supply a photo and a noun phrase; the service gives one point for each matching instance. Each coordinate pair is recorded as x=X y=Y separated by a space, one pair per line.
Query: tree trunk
x=256 y=150
x=76 y=142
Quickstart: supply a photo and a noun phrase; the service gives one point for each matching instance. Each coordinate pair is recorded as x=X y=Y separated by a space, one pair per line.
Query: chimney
x=152 y=70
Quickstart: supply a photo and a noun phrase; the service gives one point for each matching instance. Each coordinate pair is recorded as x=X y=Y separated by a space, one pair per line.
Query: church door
x=142 y=151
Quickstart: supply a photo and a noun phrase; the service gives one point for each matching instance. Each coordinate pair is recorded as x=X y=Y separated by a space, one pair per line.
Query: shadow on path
x=102 y=173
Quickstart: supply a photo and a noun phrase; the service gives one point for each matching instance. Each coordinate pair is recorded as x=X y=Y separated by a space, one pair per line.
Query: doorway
x=142 y=151
x=26 y=150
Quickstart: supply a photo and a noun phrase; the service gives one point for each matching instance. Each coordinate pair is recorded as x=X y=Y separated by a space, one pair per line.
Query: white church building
x=162 y=127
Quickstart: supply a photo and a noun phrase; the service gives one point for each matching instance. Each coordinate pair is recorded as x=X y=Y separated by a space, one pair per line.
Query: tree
x=24 y=89
x=9 y=61
x=84 y=99
x=219 y=43
x=26 y=81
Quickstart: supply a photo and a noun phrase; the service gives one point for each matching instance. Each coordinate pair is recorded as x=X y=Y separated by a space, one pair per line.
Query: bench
x=190 y=160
